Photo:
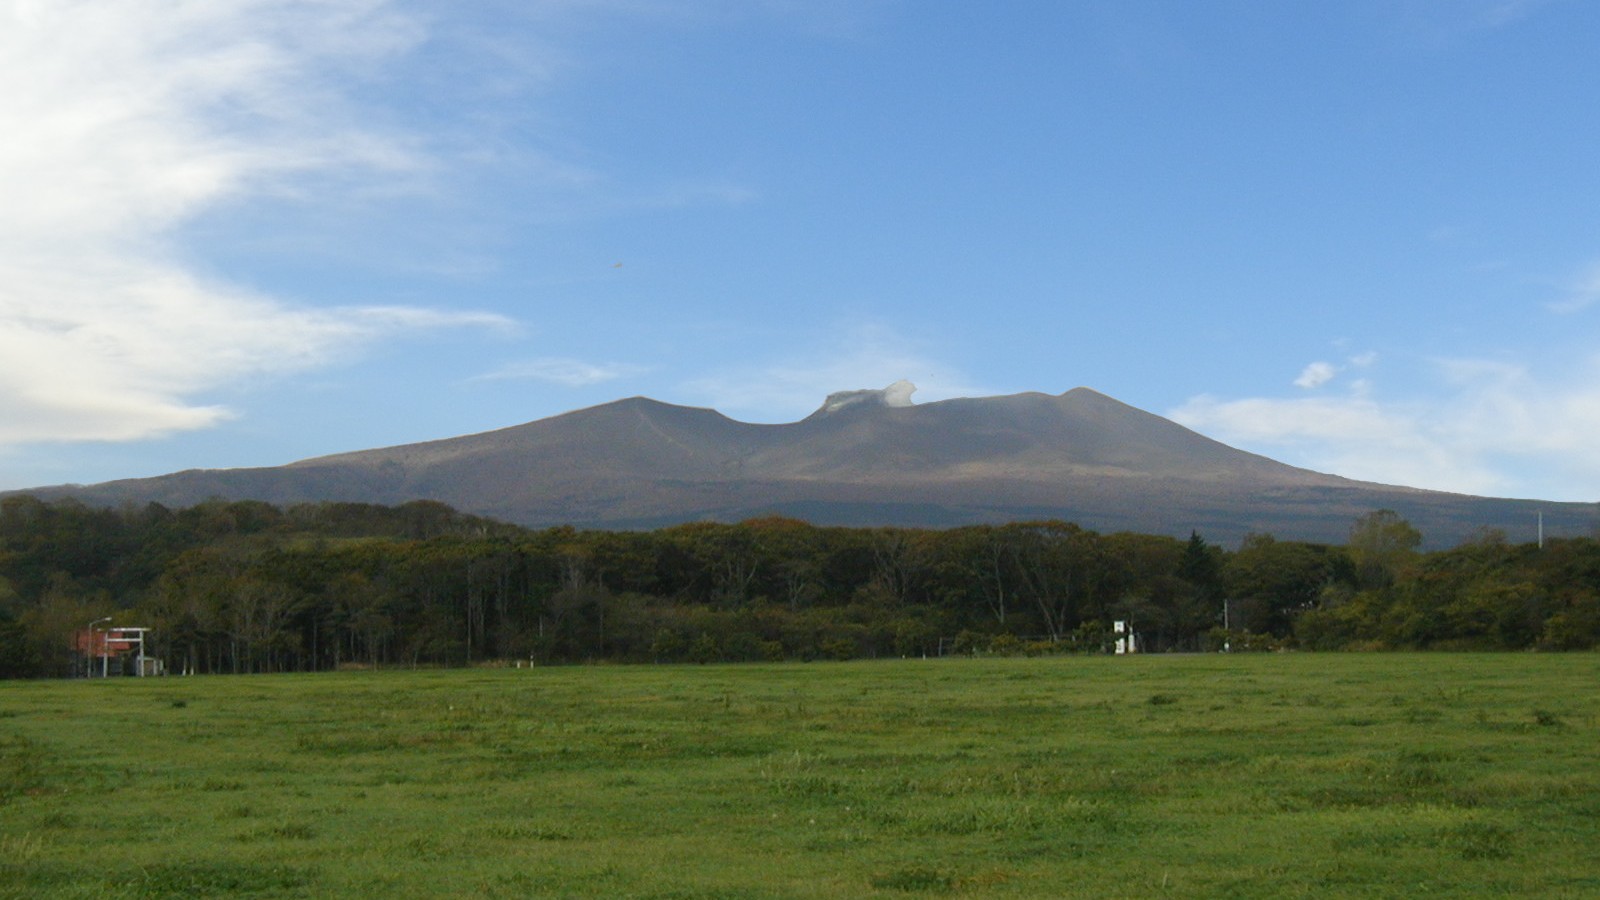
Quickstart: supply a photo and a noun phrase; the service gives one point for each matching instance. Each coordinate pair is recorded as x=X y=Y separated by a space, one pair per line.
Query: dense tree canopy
x=248 y=587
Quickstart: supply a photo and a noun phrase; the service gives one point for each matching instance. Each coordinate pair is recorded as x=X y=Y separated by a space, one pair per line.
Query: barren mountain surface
x=864 y=458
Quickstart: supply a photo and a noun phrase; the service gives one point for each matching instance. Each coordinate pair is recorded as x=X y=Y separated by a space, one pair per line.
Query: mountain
x=864 y=458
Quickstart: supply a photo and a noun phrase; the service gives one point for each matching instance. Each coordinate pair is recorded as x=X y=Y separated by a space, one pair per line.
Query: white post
x=88 y=667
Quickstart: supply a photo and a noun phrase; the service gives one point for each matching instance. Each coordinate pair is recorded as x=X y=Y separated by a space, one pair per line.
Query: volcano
x=864 y=458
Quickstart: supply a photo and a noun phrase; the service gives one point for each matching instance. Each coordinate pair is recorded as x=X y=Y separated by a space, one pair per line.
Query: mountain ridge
x=868 y=457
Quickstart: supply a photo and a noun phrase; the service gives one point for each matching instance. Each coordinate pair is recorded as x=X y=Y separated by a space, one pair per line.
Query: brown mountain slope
x=1029 y=436
x=865 y=458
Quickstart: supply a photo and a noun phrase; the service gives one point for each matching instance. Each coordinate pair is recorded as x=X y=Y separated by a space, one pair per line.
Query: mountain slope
x=1032 y=436
x=864 y=458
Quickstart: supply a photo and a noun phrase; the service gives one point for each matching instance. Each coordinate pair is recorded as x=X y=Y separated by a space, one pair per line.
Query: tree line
x=249 y=587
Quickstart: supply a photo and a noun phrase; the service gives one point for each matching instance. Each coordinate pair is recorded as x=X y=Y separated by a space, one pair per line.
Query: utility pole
x=88 y=651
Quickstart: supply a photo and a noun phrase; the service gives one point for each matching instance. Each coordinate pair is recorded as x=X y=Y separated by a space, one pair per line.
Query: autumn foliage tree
x=248 y=587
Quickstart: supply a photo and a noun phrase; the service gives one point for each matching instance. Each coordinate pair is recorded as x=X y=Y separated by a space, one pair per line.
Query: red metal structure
x=112 y=648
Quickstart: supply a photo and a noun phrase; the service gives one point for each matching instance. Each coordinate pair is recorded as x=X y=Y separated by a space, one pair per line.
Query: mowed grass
x=1240 y=776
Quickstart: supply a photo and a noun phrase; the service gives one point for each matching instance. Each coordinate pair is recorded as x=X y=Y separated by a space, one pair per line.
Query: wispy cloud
x=1582 y=293
x=137 y=117
x=1353 y=436
x=1321 y=372
x=1316 y=375
x=1480 y=426
x=854 y=357
x=1445 y=24
x=1501 y=13
x=565 y=372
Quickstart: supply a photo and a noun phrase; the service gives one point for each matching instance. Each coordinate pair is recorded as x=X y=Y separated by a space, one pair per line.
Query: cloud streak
x=1482 y=427
x=565 y=372
x=1581 y=294
x=1316 y=375
x=140 y=116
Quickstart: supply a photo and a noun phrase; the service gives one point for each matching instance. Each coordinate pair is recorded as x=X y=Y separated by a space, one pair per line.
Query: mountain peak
x=897 y=394
x=866 y=457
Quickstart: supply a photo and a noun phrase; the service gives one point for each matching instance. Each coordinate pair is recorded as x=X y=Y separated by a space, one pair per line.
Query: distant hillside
x=864 y=458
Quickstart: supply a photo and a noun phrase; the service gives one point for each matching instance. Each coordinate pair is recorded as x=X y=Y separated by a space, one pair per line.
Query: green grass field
x=1370 y=775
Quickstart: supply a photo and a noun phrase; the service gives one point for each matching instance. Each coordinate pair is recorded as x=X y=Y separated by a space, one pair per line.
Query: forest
x=239 y=587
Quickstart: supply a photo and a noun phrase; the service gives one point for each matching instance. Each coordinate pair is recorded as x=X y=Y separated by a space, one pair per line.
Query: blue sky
x=1360 y=237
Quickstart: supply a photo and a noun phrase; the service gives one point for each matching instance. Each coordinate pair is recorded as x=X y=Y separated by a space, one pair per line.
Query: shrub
x=1006 y=645
x=704 y=649
x=839 y=648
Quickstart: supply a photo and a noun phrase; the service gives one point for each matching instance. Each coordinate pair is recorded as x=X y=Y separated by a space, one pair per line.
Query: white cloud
x=566 y=372
x=123 y=121
x=857 y=357
x=1500 y=13
x=1484 y=427
x=1351 y=435
x=111 y=351
x=1316 y=375
x=1319 y=373
x=1445 y=24
x=1582 y=293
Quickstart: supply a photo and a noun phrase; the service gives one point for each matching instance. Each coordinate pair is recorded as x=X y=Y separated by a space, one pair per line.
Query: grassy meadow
x=1372 y=775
